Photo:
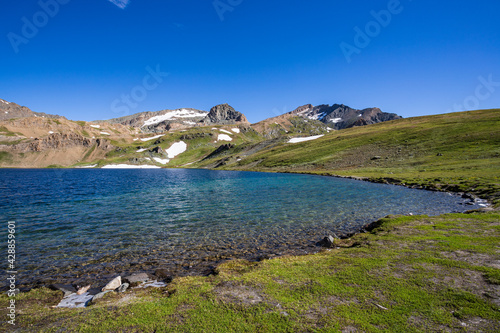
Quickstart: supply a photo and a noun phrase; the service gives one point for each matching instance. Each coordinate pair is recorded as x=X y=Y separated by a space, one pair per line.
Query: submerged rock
x=164 y=275
x=67 y=289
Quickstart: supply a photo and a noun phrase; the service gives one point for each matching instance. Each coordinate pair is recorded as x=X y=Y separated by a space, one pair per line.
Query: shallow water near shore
x=86 y=225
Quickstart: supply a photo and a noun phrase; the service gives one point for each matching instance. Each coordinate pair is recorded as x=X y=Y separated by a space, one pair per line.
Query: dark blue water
x=84 y=224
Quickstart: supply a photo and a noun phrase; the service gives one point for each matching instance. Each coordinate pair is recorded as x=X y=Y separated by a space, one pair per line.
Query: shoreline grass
x=409 y=274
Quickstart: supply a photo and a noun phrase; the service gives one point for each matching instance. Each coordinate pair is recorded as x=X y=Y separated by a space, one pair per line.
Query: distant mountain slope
x=167 y=120
x=320 y=119
x=457 y=151
x=39 y=141
x=340 y=116
x=11 y=110
x=30 y=139
x=161 y=121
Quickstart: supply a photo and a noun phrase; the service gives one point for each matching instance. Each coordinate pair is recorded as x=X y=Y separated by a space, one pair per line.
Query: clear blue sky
x=263 y=57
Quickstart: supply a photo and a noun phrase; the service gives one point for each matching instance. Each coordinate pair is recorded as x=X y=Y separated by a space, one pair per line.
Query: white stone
x=113 y=284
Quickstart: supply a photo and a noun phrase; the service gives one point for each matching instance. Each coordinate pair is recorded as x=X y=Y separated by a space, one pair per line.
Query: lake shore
x=201 y=259
x=402 y=263
x=467 y=247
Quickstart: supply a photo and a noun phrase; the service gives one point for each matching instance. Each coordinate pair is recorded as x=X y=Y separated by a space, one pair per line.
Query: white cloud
x=120 y=3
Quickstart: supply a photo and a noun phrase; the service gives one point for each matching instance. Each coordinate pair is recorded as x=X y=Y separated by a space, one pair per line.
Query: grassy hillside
x=458 y=151
x=200 y=141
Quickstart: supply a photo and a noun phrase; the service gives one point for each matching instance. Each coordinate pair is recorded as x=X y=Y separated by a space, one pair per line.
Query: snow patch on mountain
x=161 y=160
x=309 y=138
x=224 y=137
x=318 y=116
x=152 y=138
x=128 y=166
x=176 y=149
x=180 y=113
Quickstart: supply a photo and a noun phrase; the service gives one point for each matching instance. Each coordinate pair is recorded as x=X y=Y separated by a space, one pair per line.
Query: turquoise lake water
x=85 y=224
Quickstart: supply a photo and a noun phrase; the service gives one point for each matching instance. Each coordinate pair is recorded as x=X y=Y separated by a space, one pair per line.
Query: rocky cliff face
x=339 y=116
x=10 y=110
x=62 y=141
x=224 y=114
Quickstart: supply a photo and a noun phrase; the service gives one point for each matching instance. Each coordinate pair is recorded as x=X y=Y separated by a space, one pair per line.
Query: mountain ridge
x=325 y=113
x=9 y=110
x=59 y=141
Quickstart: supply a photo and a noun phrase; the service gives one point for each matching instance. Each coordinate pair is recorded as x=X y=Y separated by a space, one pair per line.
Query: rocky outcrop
x=219 y=150
x=157 y=150
x=62 y=141
x=193 y=136
x=224 y=114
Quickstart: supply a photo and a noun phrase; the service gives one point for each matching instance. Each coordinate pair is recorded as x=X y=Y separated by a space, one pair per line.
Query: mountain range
x=32 y=139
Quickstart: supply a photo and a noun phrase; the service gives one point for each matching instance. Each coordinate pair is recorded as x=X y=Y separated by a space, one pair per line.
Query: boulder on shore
x=113 y=284
x=328 y=241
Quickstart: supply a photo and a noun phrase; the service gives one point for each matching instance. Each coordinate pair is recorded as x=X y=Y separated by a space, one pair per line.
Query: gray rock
x=328 y=241
x=75 y=301
x=137 y=277
x=123 y=287
x=99 y=296
x=113 y=284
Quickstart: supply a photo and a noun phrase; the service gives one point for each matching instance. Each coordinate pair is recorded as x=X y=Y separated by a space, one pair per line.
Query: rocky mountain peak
x=224 y=114
x=303 y=108
x=340 y=116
